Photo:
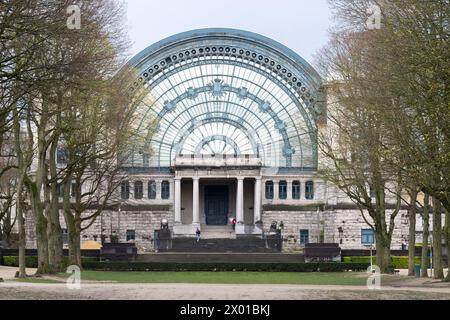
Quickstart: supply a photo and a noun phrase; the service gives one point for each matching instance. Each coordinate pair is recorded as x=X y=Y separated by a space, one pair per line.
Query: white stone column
x=158 y=189
x=196 y=201
x=276 y=190
x=240 y=200
x=289 y=190
x=257 y=204
x=177 y=196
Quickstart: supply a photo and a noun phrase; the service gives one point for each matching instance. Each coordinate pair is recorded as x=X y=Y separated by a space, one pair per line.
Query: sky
x=301 y=25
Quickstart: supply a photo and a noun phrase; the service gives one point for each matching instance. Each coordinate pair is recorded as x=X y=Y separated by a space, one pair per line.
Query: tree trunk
x=412 y=235
x=54 y=230
x=41 y=231
x=74 y=235
x=21 y=226
x=425 y=264
x=437 y=240
x=383 y=256
x=447 y=241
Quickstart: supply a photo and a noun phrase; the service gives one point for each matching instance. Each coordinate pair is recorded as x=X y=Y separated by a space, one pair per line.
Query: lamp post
x=370 y=246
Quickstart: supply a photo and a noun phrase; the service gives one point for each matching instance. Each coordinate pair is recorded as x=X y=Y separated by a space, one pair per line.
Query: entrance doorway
x=216 y=205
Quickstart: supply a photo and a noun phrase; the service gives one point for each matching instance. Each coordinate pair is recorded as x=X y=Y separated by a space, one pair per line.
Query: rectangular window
x=309 y=190
x=131 y=235
x=165 y=190
x=65 y=236
x=283 y=190
x=296 y=190
x=125 y=190
x=367 y=237
x=269 y=190
x=152 y=190
x=72 y=190
x=138 y=190
x=60 y=188
x=61 y=156
x=304 y=237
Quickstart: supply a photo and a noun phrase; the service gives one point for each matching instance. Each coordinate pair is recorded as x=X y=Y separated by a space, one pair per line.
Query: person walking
x=198 y=233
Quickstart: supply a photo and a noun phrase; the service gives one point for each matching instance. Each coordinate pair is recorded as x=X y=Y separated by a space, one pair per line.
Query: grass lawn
x=227 y=277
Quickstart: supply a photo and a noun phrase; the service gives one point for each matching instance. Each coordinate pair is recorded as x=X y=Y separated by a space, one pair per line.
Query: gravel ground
x=396 y=288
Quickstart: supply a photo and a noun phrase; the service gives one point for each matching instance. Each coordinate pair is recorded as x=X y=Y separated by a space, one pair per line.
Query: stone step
x=222 y=258
x=241 y=245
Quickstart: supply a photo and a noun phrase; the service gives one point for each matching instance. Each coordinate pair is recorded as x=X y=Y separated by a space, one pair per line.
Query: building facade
x=227 y=129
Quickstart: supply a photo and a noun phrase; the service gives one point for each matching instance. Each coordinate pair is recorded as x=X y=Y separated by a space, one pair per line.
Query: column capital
x=240 y=178
x=258 y=178
x=177 y=179
x=196 y=178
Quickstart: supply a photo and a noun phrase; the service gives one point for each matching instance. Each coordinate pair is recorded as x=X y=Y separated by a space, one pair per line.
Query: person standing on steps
x=198 y=233
x=233 y=223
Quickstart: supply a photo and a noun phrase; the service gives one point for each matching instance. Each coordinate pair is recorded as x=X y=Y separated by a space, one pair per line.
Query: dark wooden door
x=216 y=205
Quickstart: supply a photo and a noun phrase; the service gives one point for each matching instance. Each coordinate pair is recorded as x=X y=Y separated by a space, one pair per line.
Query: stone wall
x=320 y=224
x=326 y=224
x=114 y=223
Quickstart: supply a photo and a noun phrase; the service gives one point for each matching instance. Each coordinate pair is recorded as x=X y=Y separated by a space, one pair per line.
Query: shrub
x=32 y=262
x=250 y=267
x=397 y=262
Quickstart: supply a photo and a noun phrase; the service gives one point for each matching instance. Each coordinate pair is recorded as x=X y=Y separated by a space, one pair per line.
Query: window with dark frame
x=309 y=190
x=296 y=188
x=269 y=190
x=165 y=190
x=131 y=235
x=138 y=190
x=152 y=190
x=65 y=236
x=282 y=189
x=125 y=190
x=304 y=237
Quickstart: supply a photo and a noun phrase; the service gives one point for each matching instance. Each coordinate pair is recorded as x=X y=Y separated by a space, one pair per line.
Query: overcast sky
x=301 y=25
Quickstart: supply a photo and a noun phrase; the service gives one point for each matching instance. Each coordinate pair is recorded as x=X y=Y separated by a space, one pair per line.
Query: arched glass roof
x=225 y=91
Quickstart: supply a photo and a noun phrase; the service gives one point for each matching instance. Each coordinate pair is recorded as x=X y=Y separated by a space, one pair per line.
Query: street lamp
x=370 y=246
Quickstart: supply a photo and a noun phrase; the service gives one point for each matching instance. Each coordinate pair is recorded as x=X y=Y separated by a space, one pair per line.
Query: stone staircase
x=241 y=245
x=218 y=232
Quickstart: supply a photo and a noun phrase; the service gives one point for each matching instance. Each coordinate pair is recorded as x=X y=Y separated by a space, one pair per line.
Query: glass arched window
x=125 y=190
x=269 y=190
x=283 y=190
x=165 y=190
x=138 y=190
x=309 y=190
x=296 y=190
x=152 y=190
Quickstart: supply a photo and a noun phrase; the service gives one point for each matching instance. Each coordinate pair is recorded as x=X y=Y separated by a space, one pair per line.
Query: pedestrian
x=404 y=245
x=233 y=223
x=198 y=234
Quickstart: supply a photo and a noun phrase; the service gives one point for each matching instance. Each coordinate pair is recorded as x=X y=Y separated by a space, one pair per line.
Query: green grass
x=227 y=277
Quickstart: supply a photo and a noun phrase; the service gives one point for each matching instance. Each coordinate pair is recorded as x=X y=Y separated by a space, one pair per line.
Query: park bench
x=322 y=252
x=118 y=252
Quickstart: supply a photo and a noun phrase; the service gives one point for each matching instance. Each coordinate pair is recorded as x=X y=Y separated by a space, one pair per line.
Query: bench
x=322 y=252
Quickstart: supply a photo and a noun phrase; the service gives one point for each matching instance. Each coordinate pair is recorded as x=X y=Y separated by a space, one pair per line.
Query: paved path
x=16 y=290
x=413 y=289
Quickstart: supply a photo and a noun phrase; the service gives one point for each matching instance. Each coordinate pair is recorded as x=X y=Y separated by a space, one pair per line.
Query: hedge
x=397 y=262
x=221 y=267
x=32 y=262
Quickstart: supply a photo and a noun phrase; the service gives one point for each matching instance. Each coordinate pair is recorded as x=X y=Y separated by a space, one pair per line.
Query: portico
x=208 y=195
